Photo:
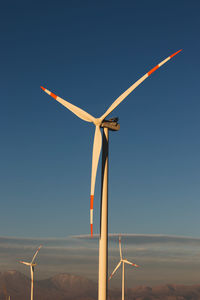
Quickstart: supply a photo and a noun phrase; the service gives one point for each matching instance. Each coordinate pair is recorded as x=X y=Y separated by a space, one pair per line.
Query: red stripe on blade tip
x=175 y=53
x=53 y=95
x=153 y=70
x=43 y=88
x=91 y=201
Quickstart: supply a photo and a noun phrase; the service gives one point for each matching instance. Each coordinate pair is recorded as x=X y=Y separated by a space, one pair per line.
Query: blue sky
x=89 y=53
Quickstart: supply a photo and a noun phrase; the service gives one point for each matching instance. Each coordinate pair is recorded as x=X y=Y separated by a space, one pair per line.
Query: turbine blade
x=95 y=159
x=76 y=110
x=130 y=263
x=120 y=247
x=25 y=263
x=115 y=270
x=136 y=84
x=34 y=256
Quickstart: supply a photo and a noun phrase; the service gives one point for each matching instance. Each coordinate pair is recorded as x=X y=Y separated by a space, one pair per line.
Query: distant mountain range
x=71 y=287
x=60 y=287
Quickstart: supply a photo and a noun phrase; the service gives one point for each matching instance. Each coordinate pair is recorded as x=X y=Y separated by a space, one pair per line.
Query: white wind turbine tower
x=122 y=261
x=31 y=265
x=106 y=125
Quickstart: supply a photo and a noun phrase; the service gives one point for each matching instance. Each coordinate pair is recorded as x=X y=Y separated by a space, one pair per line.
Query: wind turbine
x=7 y=297
x=31 y=265
x=106 y=125
x=122 y=261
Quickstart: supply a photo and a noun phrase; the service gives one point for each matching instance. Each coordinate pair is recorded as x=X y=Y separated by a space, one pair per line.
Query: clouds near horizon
x=163 y=258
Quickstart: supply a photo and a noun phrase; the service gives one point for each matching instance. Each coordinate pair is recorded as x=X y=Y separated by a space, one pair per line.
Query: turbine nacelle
x=111 y=124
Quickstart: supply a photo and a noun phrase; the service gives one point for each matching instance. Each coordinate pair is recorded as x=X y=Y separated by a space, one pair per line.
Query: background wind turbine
x=7 y=297
x=106 y=125
x=31 y=265
x=122 y=261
